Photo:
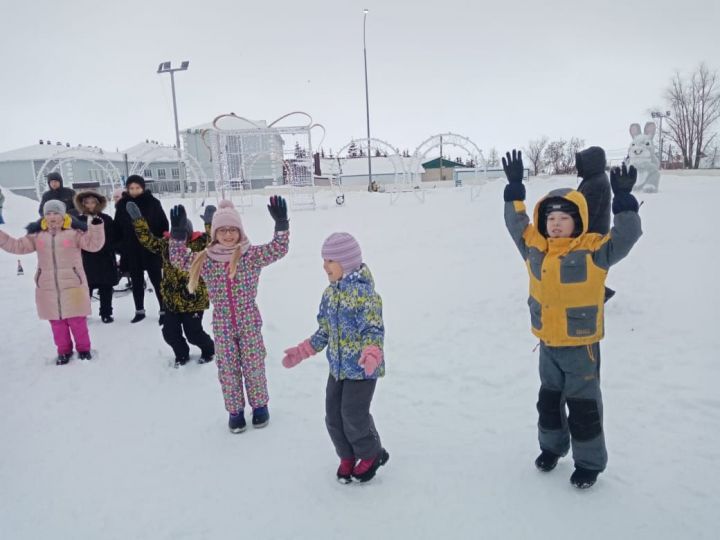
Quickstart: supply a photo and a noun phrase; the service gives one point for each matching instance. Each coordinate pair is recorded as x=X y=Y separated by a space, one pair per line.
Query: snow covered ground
x=125 y=447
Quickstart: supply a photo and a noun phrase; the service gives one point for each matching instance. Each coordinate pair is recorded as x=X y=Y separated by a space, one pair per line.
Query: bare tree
x=573 y=147
x=554 y=156
x=493 y=160
x=534 y=152
x=695 y=105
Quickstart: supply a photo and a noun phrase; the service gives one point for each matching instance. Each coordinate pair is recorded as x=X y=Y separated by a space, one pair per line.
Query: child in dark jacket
x=351 y=327
x=100 y=267
x=567 y=266
x=183 y=309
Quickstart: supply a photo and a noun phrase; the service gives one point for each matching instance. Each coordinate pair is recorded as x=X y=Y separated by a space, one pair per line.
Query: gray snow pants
x=348 y=419
x=570 y=377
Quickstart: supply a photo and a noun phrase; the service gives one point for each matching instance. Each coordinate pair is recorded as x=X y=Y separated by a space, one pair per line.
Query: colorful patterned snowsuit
x=240 y=351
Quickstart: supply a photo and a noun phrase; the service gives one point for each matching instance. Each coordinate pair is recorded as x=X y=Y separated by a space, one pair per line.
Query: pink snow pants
x=61 y=330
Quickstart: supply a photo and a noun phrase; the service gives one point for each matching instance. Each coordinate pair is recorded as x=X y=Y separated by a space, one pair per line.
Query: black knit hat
x=135 y=179
x=559 y=204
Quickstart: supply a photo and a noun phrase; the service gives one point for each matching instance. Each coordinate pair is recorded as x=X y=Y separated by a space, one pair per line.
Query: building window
x=175 y=174
x=147 y=173
x=161 y=174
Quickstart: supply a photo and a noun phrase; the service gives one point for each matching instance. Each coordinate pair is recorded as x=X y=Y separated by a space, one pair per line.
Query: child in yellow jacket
x=567 y=266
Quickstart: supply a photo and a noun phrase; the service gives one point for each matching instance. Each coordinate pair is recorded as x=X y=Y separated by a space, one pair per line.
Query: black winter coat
x=126 y=239
x=595 y=186
x=63 y=194
x=100 y=267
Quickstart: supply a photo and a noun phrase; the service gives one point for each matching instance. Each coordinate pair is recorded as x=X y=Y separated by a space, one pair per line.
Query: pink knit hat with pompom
x=226 y=216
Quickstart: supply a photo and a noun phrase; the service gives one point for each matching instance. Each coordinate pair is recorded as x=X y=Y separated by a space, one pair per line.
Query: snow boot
x=63 y=359
x=139 y=316
x=237 y=423
x=107 y=319
x=366 y=468
x=180 y=362
x=344 y=472
x=206 y=358
x=583 y=478
x=84 y=355
x=546 y=461
x=261 y=417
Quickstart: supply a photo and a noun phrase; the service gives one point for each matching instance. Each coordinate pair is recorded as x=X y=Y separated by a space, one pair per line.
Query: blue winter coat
x=349 y=320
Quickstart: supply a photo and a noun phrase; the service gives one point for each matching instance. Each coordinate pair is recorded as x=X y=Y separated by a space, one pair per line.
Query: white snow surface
x=126 y=447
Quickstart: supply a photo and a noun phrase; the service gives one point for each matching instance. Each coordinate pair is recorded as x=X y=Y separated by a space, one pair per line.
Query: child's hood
x=574 y=196
x=359 y=279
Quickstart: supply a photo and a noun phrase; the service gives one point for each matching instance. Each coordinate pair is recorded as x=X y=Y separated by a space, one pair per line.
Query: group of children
x=567 y=265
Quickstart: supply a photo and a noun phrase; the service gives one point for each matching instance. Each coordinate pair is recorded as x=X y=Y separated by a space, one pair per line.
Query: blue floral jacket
x=349 y=320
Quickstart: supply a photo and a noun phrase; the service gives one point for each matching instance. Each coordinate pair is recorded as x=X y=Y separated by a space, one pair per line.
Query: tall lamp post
x=660 y=115
x=165 y=67
x=367 y=107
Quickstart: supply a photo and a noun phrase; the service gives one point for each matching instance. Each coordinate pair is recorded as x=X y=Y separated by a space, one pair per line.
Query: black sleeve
x=43 y=200
x=597 y=195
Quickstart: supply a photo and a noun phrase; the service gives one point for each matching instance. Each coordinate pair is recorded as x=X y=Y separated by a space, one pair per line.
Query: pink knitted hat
x=343 y=249
x=226 y=216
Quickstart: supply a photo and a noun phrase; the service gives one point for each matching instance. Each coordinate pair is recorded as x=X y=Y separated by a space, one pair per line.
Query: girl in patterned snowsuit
x=230 y=267
x=351 y=327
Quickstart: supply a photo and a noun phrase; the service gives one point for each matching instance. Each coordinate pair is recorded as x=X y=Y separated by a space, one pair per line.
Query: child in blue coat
x=351 y=327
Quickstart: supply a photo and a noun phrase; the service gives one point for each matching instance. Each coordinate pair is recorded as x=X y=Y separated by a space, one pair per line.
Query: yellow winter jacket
x=567 y=275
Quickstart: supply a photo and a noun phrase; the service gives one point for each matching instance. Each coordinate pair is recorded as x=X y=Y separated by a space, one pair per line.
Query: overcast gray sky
x=83 y=71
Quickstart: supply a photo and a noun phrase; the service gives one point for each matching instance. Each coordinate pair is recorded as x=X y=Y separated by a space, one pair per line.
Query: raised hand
x=178 y=222
x=514 y=172
x=133 y=211
x=208 y=214
x=278 y=211
x=622 y=181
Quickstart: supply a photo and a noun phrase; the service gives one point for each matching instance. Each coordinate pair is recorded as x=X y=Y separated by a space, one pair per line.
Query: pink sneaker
x=345 y=470
x=366 y=468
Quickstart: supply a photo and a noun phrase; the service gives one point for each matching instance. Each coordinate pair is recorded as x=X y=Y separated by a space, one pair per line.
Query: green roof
x=446 y=163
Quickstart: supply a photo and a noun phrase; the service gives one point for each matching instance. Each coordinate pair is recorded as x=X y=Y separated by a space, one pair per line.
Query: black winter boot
x=546 y=461
x=85 y=355
x=139 y=316
x=583 y=478
x=63 y=359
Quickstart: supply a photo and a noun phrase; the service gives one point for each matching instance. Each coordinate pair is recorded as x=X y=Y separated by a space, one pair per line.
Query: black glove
x=622 y=182
x=208 y=214
x=133 y=211
x=278 y=211
x=75 y=223
x=97 y=220
x=514 y=172
x=178 y=222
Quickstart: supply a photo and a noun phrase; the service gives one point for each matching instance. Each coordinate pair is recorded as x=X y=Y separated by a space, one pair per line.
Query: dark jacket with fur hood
x=100 y=267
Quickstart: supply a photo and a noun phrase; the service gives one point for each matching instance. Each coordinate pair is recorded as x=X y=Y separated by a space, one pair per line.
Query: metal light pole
x=660 y=115
x=165 y=67
x=367 y=106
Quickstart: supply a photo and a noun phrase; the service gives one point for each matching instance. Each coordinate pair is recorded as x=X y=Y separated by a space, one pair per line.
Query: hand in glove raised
x=208 y=214
x=178 y=222
x=514 y=172
x=133 y=211
x=278 y=211
x=622 y=181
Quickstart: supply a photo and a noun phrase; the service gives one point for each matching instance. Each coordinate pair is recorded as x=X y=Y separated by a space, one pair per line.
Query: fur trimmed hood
x=82 y=195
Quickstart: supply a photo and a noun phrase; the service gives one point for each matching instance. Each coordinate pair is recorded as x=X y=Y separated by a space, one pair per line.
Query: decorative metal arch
x=385 y=147
x=192 y=166
x=90 y=155
x=451 y=139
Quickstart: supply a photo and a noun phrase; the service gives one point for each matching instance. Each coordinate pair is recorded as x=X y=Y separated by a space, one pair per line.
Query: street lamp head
x=365 y=11
x=184 y=65
x=164 y=66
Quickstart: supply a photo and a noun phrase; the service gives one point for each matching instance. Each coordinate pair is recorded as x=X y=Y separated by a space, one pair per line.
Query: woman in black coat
x=100 y=267
x=140 y=260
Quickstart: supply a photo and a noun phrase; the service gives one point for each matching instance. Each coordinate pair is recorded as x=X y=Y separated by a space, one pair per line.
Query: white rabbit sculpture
x=643 y=157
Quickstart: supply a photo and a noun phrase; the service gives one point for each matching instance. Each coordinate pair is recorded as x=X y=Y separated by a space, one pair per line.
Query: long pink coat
x=61 y=286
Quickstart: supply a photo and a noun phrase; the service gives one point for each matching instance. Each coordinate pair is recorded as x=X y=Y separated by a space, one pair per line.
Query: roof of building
x=150 y=151
x=435 y=164
x=48 y=151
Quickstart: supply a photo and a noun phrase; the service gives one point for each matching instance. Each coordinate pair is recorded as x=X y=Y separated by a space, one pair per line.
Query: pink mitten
x=370 y=359
x=295 y=355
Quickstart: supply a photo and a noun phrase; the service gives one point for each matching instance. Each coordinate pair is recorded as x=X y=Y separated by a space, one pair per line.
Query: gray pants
x=570 y=376
x=348 y=418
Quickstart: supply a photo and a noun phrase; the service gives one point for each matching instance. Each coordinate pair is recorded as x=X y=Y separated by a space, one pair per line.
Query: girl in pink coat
x=230 y=267
x=61 y=292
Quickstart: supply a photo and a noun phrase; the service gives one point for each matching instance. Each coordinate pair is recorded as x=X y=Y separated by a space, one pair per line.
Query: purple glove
x=370 y=359
x=295 y=355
